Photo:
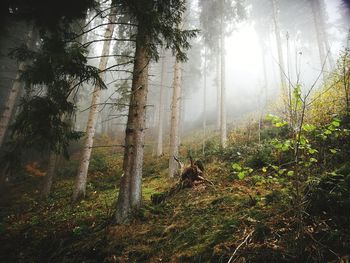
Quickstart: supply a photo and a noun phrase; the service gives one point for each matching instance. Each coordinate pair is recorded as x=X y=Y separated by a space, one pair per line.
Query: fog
x=244 y=65
x=250 y=53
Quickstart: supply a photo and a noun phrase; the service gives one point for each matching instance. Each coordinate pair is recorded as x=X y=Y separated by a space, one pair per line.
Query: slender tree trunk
x=175 y=118
x=322 y=41
x=6 y=115
x=263 y=99
x=321 y=7
x=218 y=92
x=80 y=182
x=46 y=190
x=182 y=114
x=279 y=47
x=265 y=84
x=204 y=100
x=161 y=109
x=223 y=126
x=129 y=197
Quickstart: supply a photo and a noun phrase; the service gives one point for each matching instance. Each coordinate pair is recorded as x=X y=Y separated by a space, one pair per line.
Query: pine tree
x=157 y=24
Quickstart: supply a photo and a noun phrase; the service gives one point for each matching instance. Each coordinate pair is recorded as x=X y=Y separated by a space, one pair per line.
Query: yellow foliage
x=326 y=103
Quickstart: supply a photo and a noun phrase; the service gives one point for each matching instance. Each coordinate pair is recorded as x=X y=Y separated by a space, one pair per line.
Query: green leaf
x=334 y=151
x=327 y=132
x=281 y=124
x=308 y=127
x=275 y=167
x=336 y=122
x=290 y=173
x=312 y=151
x=285 y=147
x=313 y=160
x=280 y=172
x=236 y=167
x=241 y=175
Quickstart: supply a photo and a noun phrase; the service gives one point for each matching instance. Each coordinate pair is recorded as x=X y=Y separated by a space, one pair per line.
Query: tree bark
x=175 y=118
x=161 y=109
x=129 y=198
x=46 y=190
x=6 y=115
x=80 y=182
x=281 y=66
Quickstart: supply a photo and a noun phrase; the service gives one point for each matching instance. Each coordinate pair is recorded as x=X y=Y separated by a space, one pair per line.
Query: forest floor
x=237 y=220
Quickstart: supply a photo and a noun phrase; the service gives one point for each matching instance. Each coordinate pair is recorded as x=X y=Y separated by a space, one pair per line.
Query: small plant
x=240 y=171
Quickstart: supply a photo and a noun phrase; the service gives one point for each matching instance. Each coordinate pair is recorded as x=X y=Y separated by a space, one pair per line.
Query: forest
x=175 y=131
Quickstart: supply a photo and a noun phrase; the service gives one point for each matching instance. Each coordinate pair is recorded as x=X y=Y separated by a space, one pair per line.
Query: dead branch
x=241 y=244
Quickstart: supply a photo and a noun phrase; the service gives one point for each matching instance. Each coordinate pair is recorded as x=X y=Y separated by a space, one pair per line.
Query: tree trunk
x=223 y=128
x=129 y=197
x=204 y=101
x=161 y=109
x=6 y=115
x=80 y=182
x=175 y=118
x=46 y=190
x=321 y=7
x=322 y=40
x=279 y=47
x=263 y=99
x=218 y=92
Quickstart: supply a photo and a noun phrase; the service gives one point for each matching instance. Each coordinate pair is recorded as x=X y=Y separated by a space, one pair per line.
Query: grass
x=202 y=224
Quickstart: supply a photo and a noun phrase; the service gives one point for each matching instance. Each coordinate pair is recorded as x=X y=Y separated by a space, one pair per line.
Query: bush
x=260 y=157
x=332 y=194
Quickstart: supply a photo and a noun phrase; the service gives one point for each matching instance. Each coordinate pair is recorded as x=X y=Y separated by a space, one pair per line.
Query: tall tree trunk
x=80 y=182
x=223 y=128
x=322 y=8
x=129 y=197
x=204 y=101
x=218 y=92
x=6 y=115
x=175 y=119
x=279 y=47
x=321 y=35
x=46 y=189
x=161 y=109
x=263 y=99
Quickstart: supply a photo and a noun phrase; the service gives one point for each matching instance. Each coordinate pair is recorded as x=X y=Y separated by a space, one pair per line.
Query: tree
x=277 y=30
x=157 y=24
x=55 y=69
x=175 y=118
x=161 y=108
x=6 y=115
x=80 y=182
x=321 y=34
x=217 y=21
x=205 y=70
x=223 y=125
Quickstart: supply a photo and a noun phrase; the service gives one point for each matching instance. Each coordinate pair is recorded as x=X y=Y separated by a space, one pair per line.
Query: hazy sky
x=244 y=73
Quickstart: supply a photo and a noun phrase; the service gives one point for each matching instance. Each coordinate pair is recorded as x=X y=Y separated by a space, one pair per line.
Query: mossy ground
x=201 y=224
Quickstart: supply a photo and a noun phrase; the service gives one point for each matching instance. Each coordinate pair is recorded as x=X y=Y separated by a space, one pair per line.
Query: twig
x=241 y=244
